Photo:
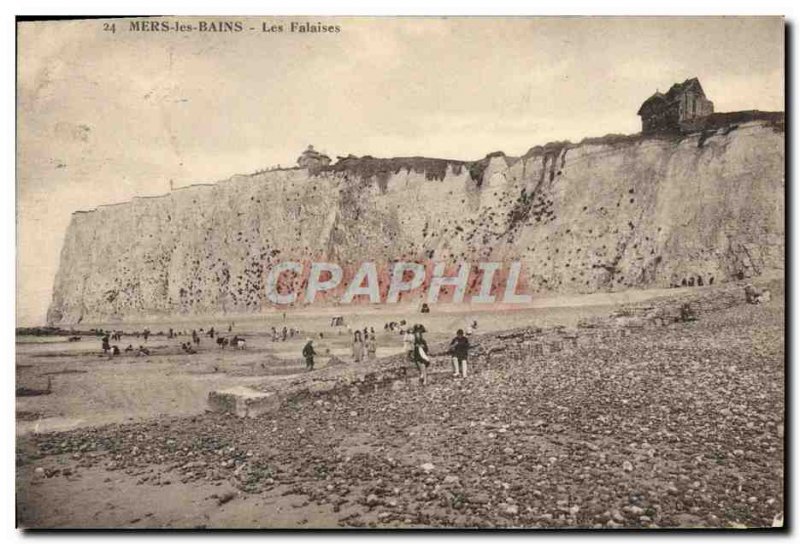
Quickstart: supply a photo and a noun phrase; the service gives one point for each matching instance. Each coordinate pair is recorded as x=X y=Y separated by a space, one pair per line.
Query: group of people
x=395 y=326
x=113 y=350
x=237 y=342
x=364 y=345
x=415 y=348
x=116 y=335
x=186 y=347
x=105 y=342
x=284 y=334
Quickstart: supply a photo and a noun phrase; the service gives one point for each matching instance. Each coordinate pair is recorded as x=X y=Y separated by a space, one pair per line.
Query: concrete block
x=243 y=401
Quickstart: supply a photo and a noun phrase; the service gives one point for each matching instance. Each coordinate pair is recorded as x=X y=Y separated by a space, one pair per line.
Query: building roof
x=673 y=94
x=679 y=88
x=657 y=97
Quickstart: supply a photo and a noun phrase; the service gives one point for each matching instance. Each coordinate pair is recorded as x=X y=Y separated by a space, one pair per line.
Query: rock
x=511 y=509
x=627 y=466
x=479 y=498
x=635 y=510
x=225 y=497
x=39 y=471
x=451 y=479
x=372 y=500
x=427 y=467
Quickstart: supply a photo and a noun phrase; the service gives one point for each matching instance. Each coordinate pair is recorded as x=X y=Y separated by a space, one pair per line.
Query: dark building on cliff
x=313 y=160
x=683 y=103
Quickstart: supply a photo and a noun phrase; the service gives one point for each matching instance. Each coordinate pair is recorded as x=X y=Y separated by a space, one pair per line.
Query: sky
x=103 y=117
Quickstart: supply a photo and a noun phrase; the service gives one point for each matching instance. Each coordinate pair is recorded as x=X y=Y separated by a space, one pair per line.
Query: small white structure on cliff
x=313 y=160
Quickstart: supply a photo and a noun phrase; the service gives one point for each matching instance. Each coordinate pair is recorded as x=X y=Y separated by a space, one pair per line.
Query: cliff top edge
x=436 y=168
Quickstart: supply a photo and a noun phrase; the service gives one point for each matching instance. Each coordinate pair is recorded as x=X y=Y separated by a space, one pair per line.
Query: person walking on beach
x=358 y=346
x=106 y=345
x=308 y=354
x=408 y=345
x=421 y=355
x=459 y=347
x=372 y=346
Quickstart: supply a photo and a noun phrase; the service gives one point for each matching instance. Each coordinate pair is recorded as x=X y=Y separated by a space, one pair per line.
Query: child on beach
x=459 y=346
x=421 y=356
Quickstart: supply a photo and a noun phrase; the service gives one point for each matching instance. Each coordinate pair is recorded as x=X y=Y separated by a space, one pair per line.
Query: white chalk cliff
x=605 y=214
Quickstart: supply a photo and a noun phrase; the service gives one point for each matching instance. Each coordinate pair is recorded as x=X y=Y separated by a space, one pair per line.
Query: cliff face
x=606 y=214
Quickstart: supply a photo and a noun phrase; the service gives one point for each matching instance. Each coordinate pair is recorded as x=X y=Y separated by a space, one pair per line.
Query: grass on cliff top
x=434 y=169
x=715 y=121
x=776 y=119
x=367 y=167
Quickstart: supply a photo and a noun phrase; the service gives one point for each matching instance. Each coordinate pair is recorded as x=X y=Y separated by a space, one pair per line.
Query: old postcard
x=400 y=273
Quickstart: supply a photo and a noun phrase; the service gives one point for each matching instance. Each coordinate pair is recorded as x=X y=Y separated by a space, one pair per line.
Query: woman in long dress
x=358 y=346
x=372 y=346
